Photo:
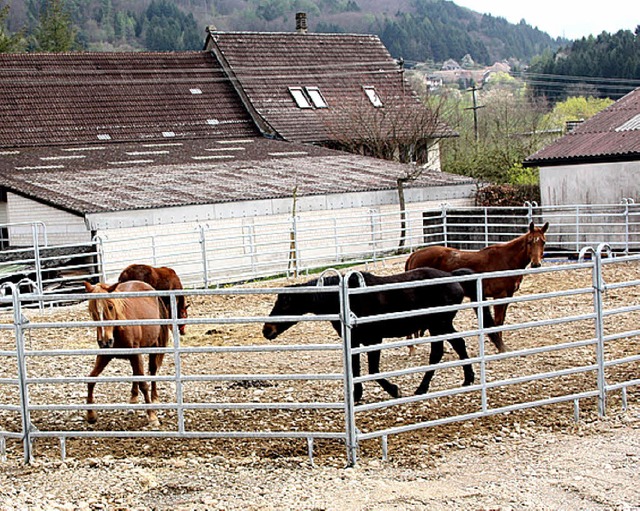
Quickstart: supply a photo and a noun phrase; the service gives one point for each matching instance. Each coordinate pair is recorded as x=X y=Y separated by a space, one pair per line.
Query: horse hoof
x=154 y=424
x=92 y=418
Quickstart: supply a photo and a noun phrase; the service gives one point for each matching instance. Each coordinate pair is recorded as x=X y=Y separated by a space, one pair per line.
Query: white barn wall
x=233 y=242
x=591 y=184
x=62 y=227
x=595 y=183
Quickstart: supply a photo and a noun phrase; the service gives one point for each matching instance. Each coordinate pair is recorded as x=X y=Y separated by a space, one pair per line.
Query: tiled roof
x=611 y=135
x=147 y=175
x=266 y=65
x=88 y=97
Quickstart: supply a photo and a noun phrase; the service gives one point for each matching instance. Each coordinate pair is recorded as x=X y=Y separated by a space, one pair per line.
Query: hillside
x=417 y=30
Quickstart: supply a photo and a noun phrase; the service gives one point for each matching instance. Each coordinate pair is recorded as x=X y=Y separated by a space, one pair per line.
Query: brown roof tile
x=266 y=65
x=83 y=97
x=611 y=135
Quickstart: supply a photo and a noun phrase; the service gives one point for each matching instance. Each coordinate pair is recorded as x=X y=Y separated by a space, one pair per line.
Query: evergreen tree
x=9 y=43
x=54 y=32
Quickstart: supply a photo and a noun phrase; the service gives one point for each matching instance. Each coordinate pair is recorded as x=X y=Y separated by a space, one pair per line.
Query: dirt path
x=595 y=466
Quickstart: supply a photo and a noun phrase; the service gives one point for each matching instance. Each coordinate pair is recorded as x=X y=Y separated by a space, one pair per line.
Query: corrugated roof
x=611 y=135
x=93 y=97
x=267 y=65
x=134 y=176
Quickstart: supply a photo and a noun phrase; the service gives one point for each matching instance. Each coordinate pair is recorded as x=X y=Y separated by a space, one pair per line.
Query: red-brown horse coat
x=107 y=306
x=162 y=279
x=512 y=255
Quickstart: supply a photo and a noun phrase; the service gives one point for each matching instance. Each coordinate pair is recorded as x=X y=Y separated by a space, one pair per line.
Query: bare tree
x=402 y=129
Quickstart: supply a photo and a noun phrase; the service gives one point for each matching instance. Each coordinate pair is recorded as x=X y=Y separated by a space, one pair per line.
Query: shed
x=598 y=162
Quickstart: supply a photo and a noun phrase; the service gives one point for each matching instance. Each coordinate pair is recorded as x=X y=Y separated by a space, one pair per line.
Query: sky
x=572 y=19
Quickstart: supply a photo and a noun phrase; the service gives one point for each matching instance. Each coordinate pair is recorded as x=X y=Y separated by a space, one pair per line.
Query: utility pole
x=475 y=108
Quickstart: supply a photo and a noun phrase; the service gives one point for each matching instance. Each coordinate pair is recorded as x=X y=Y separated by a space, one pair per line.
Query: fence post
x=18 y=321
x=37 y=263
x=443 y=213
x=101 y=267
x=203 y=252
x=599 y=288
x=626 y=203
x=349 y=413
x=372 y=225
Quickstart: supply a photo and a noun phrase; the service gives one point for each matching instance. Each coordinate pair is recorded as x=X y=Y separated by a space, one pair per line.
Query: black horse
x=384 y=302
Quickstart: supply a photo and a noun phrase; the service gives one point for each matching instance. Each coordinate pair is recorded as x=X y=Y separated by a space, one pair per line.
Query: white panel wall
x=62 y=227
x=596 y=183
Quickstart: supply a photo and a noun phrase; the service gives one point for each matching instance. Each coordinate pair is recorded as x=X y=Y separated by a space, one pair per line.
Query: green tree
x=54 y=31
x=575 y=109
x=9 y=43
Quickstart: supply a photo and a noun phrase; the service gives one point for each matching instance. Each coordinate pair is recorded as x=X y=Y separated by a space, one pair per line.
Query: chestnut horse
x=384 y=302
x=108 y=307
x=512 y=255
x=161 y=279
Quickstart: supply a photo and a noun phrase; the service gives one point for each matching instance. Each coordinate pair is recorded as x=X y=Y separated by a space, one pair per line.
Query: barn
x=596 y=163
x=129 y=145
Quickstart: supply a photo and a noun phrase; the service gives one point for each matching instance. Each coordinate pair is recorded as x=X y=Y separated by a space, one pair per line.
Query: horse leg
x=155 y=361
x=98 y=367
x=435 y=356
x=138 y=370
x=355 y=368
x=499 y=313
x=460 y=348
x=374 y=367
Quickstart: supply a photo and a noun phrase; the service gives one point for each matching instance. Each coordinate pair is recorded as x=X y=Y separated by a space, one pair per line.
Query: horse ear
x=531 y=227
x=88 y=286
x=545 y=227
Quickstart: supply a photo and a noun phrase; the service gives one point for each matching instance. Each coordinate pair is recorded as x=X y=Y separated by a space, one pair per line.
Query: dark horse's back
x=401 y=300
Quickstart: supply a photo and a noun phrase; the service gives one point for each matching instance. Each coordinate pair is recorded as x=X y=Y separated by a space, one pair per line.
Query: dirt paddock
x=538 y=458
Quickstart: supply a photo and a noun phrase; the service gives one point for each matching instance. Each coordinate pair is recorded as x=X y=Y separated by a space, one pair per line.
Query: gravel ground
x=532 y=459
x=595 y=466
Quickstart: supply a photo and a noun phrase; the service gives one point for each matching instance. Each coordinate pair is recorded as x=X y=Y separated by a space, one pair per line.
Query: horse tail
x=163 y=339
x=471 y=290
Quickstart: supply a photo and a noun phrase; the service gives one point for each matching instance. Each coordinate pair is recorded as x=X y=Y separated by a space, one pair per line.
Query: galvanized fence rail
x=20 y=379
x=220 y=253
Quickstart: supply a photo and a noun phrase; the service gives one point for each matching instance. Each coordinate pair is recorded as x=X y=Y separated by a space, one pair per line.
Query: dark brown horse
x=385 y=302
x=161 y=279
x=108 y=307
x=516 y=254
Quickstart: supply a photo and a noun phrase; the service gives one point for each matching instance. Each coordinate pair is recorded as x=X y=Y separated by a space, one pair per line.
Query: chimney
x=301 y=22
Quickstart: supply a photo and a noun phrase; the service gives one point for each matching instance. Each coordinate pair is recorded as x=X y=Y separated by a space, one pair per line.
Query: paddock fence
x=222 y=253
x=579 y=343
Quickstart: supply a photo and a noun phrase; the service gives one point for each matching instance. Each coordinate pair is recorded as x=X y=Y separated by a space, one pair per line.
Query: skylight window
x=316 y=97
x=373 y=96
x=299 y=97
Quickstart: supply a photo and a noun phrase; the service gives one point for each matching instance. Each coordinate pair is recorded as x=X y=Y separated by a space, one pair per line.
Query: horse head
x=285 y=306
x=535 y=243
x=103 y=309
x=182 y=314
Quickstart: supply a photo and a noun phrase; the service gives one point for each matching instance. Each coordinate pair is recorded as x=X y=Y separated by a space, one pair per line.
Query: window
x=299 y=97
x=373 y=96
x=316 y=97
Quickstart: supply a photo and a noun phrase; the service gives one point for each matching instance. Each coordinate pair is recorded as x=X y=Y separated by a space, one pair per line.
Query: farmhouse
x=596 y=163
x=107 y=147
x=343 y=91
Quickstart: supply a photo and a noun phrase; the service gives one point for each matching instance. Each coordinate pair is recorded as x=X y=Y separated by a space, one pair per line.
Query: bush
x=507 y=195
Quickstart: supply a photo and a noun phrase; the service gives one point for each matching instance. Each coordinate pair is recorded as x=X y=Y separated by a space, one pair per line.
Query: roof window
x=316 y=97
x=300 y=97
x=372 y=95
